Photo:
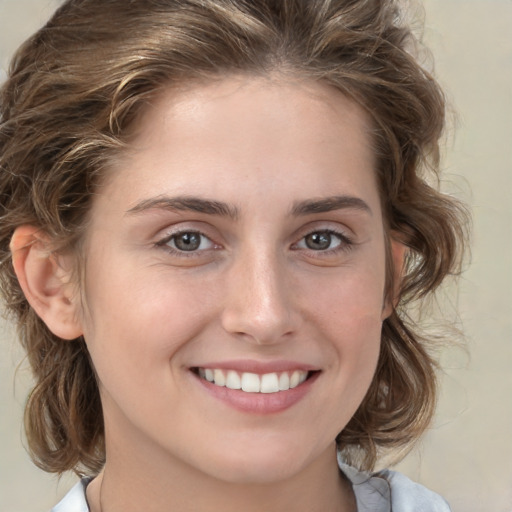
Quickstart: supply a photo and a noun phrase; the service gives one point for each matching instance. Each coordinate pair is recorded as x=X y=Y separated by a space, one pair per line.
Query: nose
x=259 y=306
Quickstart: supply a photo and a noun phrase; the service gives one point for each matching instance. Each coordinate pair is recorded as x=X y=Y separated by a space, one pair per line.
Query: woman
x=214 y=218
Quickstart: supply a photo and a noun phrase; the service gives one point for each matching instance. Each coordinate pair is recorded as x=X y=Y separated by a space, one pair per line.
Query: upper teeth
x=252 y=382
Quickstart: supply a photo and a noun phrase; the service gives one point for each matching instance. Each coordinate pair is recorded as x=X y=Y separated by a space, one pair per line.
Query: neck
x=320 y=486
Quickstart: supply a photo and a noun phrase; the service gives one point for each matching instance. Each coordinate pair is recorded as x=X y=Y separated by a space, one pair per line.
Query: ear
x=397 y=253
x=45 y=278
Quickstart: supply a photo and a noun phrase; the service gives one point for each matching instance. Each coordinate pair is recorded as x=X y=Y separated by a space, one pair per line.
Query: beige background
x=467 y=455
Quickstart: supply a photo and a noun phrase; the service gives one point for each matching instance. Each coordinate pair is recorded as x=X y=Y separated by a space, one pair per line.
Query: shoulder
x=387 y=491
x=74 y=501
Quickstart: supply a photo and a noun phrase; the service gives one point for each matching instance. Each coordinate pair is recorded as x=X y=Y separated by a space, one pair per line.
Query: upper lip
x=258 y=367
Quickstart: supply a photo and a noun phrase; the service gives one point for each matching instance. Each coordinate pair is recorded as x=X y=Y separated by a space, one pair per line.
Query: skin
x=255 y=289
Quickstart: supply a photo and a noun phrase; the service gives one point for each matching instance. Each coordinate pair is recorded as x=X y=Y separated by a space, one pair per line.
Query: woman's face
x=241 y=239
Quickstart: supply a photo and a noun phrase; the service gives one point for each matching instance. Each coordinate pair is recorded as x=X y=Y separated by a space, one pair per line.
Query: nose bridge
x=258 y=302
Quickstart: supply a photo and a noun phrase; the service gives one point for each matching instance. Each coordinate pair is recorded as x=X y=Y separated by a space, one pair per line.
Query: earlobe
x=45 y=281
x=397 y=254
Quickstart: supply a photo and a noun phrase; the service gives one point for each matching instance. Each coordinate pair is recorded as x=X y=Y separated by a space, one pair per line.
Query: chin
x=259 y=464
x=252 y=472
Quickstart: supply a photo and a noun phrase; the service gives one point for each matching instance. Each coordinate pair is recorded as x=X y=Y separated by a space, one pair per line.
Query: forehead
x=241 y=133
x=282 y=106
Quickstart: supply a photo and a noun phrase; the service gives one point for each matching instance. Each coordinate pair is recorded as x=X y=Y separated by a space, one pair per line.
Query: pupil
x=318 y=241
x=188 y=241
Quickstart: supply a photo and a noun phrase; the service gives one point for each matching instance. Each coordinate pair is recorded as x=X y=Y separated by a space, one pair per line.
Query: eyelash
x=345 y=243
x=164 y=244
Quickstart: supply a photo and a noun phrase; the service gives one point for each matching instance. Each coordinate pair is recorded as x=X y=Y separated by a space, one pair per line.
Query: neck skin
x=130 y=485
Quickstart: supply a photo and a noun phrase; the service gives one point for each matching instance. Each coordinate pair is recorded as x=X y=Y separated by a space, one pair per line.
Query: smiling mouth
x=253 y=382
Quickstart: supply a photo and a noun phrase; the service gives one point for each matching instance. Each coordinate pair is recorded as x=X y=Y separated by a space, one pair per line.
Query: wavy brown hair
x=73 y=95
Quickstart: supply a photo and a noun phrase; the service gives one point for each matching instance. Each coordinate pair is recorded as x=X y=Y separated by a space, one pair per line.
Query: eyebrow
x=186 y=203
x=329 y=204
x=211 y=207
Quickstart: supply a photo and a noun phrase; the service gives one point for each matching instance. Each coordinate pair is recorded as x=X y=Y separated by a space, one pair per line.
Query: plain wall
x=467 y=455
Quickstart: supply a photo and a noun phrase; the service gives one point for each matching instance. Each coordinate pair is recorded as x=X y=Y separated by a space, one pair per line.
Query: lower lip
x=259 y=403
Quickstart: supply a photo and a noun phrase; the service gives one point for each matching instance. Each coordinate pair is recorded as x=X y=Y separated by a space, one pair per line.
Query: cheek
x=348 y=311
x=135 y=326
x=348 y=300
x=350 y=326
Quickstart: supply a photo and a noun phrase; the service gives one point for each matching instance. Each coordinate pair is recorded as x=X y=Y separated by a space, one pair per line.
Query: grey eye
x=187 y=241
x=321 y=240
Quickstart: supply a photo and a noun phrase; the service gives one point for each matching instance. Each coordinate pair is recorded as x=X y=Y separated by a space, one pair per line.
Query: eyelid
x=347 y=241
x=174 y=236
x=303 y=243
x=163 y=240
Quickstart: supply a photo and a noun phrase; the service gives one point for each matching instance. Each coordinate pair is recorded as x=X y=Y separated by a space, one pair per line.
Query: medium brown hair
x=77 y=87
